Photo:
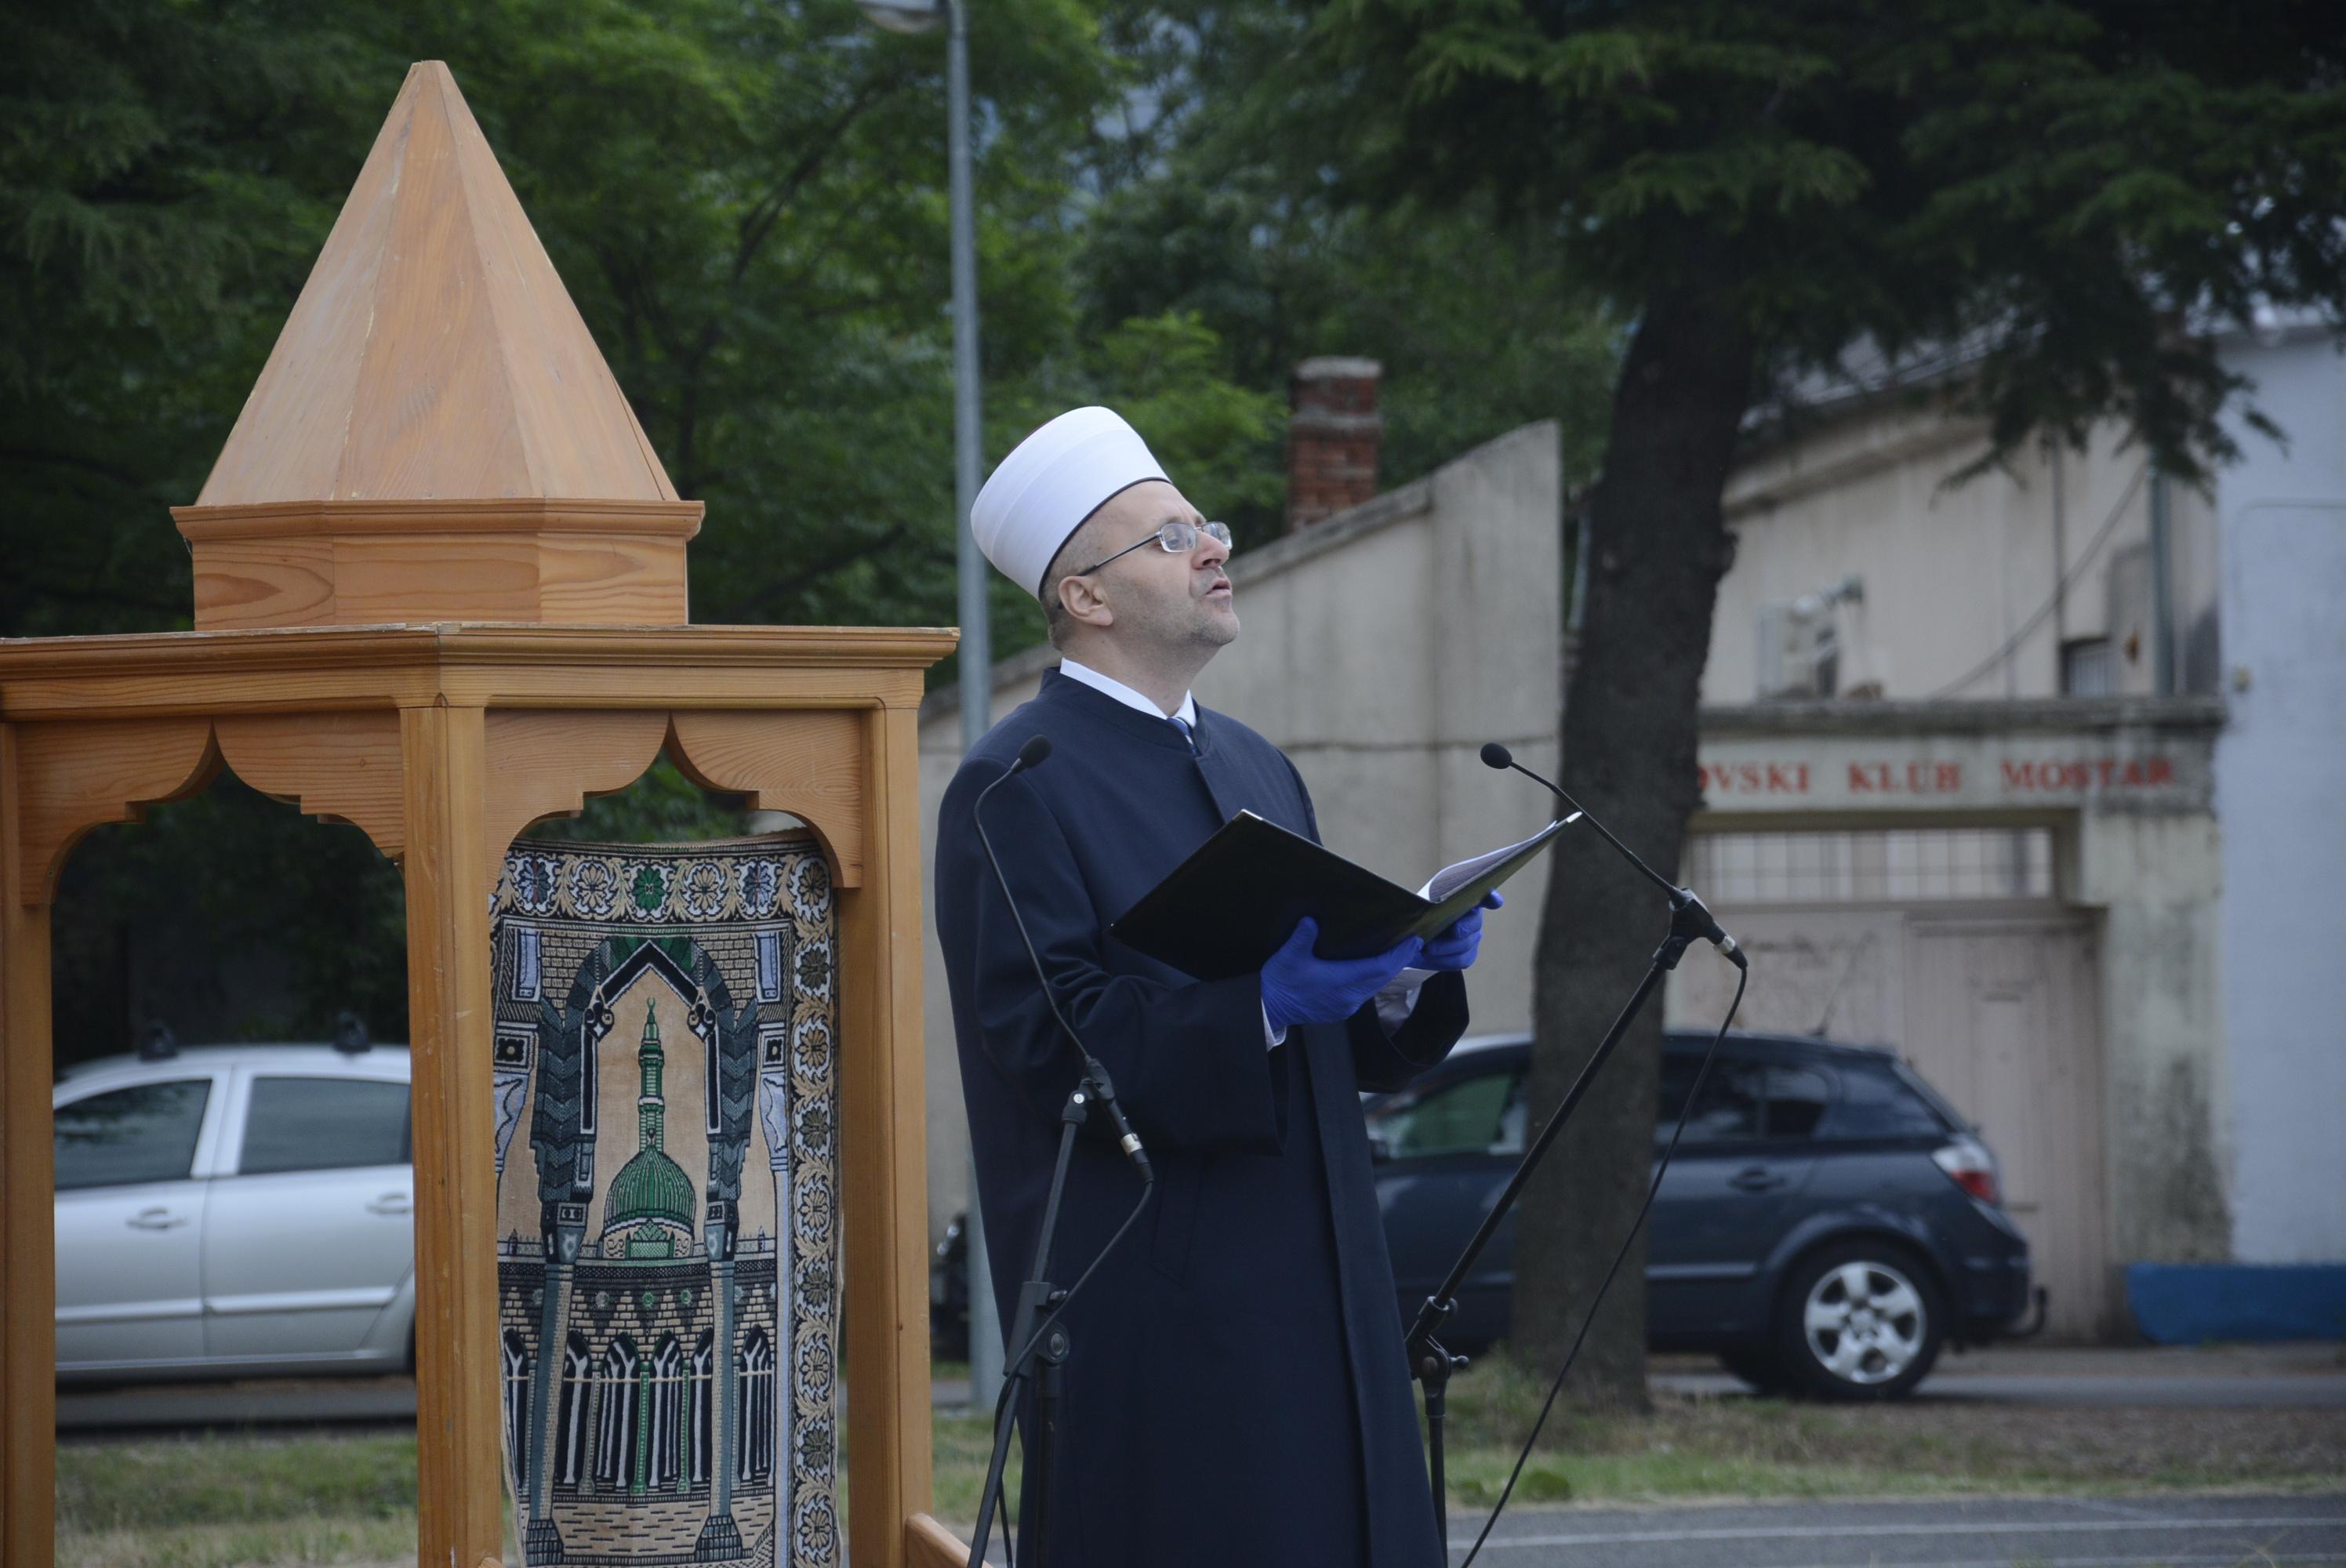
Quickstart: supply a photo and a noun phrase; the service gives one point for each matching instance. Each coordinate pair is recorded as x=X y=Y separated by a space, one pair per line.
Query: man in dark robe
x=1236 y=1391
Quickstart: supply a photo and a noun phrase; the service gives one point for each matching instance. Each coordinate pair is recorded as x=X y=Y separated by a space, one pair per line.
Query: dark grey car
x=1828 y=1224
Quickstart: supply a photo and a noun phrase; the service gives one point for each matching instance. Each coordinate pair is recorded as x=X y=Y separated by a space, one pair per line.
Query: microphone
x=1682 y=900
x=1032 y=754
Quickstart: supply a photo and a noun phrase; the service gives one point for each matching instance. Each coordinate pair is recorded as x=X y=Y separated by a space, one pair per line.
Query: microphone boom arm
x=1683 y=900
x=1431 y=1362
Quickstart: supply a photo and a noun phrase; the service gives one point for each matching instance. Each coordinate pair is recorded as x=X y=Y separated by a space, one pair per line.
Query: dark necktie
x=1182 y=724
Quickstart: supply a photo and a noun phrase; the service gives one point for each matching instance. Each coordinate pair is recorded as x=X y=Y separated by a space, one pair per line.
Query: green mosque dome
x=651 y=1202
x=650 y=1186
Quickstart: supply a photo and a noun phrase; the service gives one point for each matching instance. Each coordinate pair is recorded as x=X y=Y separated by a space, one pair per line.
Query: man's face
x=1158 y=599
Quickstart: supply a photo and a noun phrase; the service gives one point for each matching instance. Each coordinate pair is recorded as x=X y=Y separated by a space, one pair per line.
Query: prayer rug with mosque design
x=668 y=1271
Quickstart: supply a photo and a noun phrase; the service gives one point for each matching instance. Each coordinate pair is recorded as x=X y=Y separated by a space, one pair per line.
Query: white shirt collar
x=1186 y=713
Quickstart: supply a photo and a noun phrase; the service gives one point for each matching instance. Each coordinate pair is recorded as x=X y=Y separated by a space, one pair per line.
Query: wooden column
x=459 y=1492
x=882 y=1140
x=28 y=1268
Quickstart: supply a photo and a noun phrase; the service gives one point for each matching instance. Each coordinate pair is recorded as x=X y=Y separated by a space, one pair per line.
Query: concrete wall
x=2156 y=879
x=2221 y=993
x=1379 y=649
x=2277 y=768
x=1952 y=572
x=2128 y=784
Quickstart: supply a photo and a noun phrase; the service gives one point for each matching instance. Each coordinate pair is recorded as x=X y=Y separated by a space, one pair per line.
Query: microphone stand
x=1432 y=1363
x=1037 y=1336
x=1036 y=1296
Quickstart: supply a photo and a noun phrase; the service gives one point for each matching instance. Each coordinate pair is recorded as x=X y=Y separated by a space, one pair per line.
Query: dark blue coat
x=1237 y=1391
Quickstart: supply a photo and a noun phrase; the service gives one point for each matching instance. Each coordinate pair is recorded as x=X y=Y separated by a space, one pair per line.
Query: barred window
x=668 y=1404
x=756 y=1367
x=699 y=1428
x=615 y=1433
x=570 y=1435
x=1898 y=865
x=517 y=1434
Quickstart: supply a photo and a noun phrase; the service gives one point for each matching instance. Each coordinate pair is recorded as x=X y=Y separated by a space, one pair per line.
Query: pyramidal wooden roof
x=435 y=437
x=435 y=353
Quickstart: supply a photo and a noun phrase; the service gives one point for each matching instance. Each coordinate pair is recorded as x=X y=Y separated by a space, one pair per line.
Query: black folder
x=1226 y=910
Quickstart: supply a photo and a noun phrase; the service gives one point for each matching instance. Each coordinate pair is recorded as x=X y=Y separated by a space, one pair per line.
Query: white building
x=2017 y=775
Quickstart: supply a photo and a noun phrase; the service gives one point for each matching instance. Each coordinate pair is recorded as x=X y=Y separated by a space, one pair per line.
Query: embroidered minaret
x=651 y=1202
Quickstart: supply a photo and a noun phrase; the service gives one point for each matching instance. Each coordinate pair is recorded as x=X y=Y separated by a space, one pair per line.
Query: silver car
x=231 y=1210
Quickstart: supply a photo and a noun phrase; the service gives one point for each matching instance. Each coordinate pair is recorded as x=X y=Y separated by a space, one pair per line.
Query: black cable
x=1742 y=978
x=1003 y=1399
x=1069 y=1294
x=1037 y=749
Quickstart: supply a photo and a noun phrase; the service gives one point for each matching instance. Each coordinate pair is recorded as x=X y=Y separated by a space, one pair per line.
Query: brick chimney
x=1332 y=433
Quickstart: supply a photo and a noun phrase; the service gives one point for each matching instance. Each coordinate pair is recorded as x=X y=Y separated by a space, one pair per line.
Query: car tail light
x=1970 y=1166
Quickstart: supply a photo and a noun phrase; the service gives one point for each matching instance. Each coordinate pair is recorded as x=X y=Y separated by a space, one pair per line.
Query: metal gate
x=2003 y=1016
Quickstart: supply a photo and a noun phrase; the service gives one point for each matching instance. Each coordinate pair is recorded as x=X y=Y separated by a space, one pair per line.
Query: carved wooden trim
x=928 y=1544
x=343 y=766
x=73 y=777
x=807 y=763
x=545 y=762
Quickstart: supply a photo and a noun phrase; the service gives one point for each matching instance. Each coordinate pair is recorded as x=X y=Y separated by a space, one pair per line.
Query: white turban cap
x=1049 y=483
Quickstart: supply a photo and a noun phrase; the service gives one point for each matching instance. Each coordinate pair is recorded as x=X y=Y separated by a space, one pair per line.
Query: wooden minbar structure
x=440 y=595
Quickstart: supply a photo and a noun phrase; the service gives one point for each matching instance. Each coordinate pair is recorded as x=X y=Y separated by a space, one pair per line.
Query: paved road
x=340 y=1402
x=2033 y=1532
x=2304 y=1377
x=2239 y=1377
x=2201 y=1391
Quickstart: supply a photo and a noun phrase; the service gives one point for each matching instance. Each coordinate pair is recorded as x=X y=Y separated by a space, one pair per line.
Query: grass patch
x=1702 y=1446
x=962 y=1443
x=1689 y=1448
x=216 y=1480
x=275 y=1543
x=216 y=1502
x=320 y=1500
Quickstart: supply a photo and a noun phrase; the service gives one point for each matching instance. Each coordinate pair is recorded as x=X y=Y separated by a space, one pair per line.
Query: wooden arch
x=345 y=768
x=442 y=743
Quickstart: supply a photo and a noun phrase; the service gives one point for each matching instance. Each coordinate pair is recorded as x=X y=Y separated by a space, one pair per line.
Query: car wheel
x=1759 y=1368
x=1861 y=1320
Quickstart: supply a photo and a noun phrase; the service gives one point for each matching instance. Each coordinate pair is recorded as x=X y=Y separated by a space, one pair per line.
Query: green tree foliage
x=1227 y=192
x=2069 y=189
x=226 y=917
x=2059 y=198
x=167 y=175
x=747 y=203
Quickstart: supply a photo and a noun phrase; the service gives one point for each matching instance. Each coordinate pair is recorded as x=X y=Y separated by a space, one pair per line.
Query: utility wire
x=2068 y=581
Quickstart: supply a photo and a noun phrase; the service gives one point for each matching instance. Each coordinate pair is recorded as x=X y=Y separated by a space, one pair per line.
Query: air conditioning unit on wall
x=1800 y=643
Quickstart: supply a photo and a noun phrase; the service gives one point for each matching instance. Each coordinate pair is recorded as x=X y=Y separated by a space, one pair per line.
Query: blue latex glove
x=1455 y=948
x=1300 y=987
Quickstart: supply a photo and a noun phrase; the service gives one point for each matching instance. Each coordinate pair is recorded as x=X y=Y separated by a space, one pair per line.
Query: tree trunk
x=1657 y=550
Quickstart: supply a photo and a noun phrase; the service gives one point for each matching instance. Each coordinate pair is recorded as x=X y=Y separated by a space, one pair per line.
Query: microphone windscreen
x=1036 y=748
x=1497 y=756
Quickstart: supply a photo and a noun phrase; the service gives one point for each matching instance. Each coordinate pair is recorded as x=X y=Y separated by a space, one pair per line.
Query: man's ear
x=1082 y=599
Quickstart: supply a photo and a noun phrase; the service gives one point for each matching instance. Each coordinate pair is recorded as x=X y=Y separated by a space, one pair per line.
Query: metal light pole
x=976 y=644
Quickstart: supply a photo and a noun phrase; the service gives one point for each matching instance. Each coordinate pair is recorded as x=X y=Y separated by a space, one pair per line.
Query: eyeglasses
x=1175 y=539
